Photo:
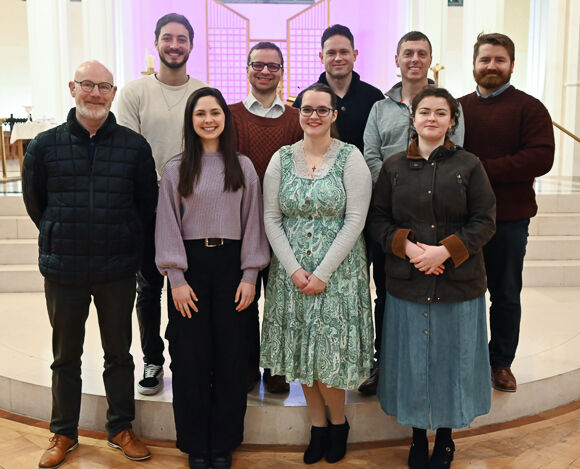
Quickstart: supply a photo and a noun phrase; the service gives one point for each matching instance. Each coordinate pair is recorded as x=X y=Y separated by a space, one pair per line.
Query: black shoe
x=221 y=461
x=152 y=381
x=337 y=436
x=275 y=384
x=317 y=447
x=442 y=455
x=198 y=462
x=419 y=456
x=369 y=386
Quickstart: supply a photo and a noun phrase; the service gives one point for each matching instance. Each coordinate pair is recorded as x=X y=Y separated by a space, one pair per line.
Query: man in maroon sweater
x=263 y=124
x=511 y=132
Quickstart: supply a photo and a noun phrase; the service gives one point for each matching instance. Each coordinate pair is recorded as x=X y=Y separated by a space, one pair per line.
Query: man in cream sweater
x=154 y=107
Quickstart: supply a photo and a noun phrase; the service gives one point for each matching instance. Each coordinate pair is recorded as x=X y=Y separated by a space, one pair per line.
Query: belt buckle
x=213 y=242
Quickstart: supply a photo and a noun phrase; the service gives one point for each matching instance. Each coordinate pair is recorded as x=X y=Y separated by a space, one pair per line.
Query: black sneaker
x=152 y=380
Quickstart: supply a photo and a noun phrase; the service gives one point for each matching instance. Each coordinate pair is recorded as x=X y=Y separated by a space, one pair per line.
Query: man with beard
x=511 y=132
x=90 y=187
x=355 y=97
x=154 y=107
x=263 y=124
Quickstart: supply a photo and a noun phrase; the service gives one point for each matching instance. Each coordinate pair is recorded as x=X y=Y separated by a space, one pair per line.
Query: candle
x=149 y=62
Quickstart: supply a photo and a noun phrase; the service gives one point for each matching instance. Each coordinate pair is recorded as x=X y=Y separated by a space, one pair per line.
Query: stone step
x=537 y=273
x=12 y=205
x=20 y=278
x=555 y=224
x=18 y=251
x=17 y=227
x=552 y=248
x=552 y=273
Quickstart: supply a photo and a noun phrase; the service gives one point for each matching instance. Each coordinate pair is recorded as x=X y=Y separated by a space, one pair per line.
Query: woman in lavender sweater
x=210 y=242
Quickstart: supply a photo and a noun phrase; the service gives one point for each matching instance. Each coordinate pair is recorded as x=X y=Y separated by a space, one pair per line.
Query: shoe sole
x=498 y=388
x=73 y=447
x=132 y=458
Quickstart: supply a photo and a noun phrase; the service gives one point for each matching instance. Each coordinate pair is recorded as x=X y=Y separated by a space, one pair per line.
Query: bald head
x=93 y=91
x=93 y=68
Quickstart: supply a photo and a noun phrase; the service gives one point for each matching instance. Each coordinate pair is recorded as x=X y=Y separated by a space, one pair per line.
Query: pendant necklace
x=171 y=106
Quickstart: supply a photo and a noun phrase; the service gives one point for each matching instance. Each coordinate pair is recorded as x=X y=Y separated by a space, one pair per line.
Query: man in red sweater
x=511 y=132
x=263 y=124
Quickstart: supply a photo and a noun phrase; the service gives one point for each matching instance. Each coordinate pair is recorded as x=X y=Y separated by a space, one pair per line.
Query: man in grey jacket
x=388 y=131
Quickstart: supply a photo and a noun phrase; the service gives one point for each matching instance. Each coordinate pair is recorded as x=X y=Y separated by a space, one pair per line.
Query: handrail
x=566 y=131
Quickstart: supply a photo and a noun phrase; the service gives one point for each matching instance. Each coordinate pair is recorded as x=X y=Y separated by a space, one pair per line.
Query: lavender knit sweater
x=209 y=212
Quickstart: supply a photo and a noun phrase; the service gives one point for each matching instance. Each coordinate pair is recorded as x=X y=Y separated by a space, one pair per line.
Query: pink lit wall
x=376 y=28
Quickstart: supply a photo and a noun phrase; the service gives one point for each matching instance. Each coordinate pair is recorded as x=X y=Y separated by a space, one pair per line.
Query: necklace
x=315 y=161
x=171 y=106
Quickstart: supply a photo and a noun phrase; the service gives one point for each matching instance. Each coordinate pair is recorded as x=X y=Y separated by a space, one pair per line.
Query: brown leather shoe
x=503 y=379
x=131 y=446
x=369 y=385
x=54 y=456
x=275 y=384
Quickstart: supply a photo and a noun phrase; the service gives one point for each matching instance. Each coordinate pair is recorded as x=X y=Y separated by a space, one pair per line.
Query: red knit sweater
x=260 y=137
x=513 y=137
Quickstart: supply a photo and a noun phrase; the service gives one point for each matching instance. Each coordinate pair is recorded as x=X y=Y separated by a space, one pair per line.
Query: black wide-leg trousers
x=208 y=356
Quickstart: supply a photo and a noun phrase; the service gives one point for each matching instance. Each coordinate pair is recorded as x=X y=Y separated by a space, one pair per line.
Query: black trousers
x=148 y=306
x=504 y=263
x=252 y=324
x=377 y=258
x=208 y=357
x=68 y=309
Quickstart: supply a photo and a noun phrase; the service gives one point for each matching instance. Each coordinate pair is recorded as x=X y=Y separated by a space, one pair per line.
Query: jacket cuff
x=398 y=244
x=176 y=277
x=456 y=248
x=250 y=276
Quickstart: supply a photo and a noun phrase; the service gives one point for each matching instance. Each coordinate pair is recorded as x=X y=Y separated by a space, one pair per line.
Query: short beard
x=491 y=80
x=174 y=65
x=92 y=114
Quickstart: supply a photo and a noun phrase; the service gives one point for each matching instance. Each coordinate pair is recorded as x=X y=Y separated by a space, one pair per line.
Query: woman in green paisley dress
x=317 y=325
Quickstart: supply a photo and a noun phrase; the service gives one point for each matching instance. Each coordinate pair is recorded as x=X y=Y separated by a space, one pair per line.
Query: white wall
x=15 y=89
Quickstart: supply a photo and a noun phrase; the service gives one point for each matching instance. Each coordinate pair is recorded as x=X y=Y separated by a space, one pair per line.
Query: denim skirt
x=434 y=364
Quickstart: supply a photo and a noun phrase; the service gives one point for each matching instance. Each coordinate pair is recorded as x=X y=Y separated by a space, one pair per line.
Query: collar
x=495 y=93
x=413 y=151
x=251 y=101
x=353 y=82
x=77 y=129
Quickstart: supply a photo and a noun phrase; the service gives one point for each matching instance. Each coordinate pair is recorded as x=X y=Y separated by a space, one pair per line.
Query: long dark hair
x=190 y=167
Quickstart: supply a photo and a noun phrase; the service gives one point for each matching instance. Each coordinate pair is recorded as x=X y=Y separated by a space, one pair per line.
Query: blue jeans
x=504 y=263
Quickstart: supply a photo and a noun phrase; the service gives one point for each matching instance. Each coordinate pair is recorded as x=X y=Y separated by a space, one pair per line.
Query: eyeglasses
x=259 y=66
x=87 y=86
x=322 y=111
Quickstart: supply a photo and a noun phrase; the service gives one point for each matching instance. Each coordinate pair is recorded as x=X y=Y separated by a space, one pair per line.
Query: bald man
x=90 y=186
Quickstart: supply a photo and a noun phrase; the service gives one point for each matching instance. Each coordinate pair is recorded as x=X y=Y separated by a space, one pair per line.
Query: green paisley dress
x=328 y=336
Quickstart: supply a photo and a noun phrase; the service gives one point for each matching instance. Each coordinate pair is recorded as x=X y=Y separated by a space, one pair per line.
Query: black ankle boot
x=337 y=436
x=442 y=455
x=419 y=455
x=318 y=443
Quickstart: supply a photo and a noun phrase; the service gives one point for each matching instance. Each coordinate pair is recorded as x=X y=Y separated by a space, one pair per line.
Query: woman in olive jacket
x=432 y=211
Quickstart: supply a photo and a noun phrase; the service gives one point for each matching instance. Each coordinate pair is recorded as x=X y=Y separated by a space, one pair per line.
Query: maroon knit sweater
x=513 y=137
x=260 y=137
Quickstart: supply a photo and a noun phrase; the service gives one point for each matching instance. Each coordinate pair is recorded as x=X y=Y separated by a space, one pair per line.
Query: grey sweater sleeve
x=273 y=217
x=358 y=186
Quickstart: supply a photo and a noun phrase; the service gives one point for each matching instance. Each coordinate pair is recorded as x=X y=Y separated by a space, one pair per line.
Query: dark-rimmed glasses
x=259 y=66
x=87 y=86
x=322 y=111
